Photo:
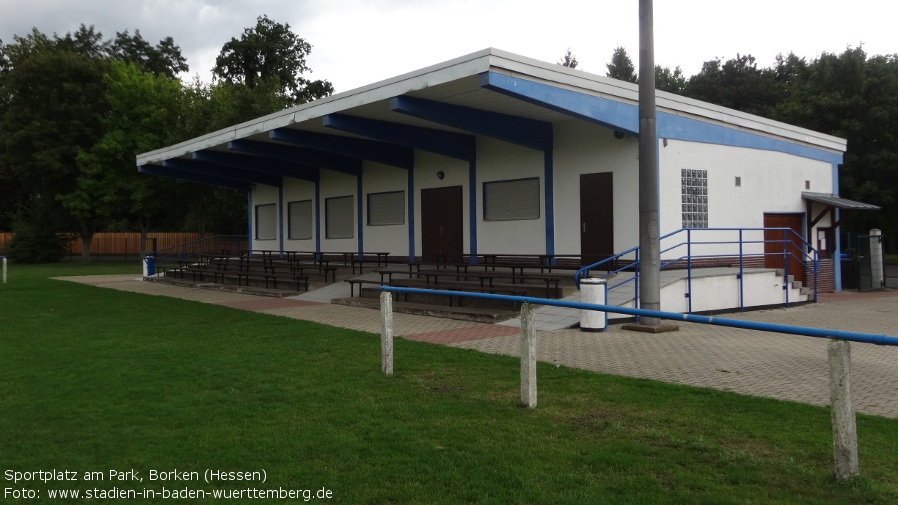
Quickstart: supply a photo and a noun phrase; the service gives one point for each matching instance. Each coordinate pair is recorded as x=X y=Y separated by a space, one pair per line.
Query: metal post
x=877 y=265
x=649 y=266
x=386 y=333
x=528 y=356
x=843 y=417
x=4 y=269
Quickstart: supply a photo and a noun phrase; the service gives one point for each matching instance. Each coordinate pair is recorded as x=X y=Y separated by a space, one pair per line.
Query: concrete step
x=475 y=314
x=249 y=290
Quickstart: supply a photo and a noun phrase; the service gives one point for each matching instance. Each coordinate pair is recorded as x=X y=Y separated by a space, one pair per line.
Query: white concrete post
x=877 y=275
x=386 y=332
x=844 y=422
x=593 y=291
x=528 y=356
x=4 y=270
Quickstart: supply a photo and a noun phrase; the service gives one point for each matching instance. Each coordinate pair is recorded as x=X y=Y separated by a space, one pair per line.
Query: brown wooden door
x=775 y=245
x=596 y=217
x=442 y=229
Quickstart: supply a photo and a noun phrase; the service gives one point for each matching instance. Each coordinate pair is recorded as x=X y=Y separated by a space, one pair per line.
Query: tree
x=164 y=59
x=569 y=60
x=621 y=66
x=142 y=108
x=853 y=96
x=670 y=81
x=266 y=52
x=738 y=84
x=54 y=104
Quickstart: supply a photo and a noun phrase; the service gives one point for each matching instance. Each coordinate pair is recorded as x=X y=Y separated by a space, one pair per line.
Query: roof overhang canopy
x=837 y=201
x=442 y=108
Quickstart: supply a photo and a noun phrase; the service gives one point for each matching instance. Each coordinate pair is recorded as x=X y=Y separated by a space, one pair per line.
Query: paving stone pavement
x=786 y=367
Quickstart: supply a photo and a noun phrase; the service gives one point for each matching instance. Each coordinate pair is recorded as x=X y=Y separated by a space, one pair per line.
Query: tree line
x=851 y=95
x=76 y=109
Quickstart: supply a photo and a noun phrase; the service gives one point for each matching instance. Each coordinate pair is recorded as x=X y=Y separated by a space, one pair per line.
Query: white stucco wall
x=771 y=182
x=262 y=195
x=585 y=148
x=499 y=161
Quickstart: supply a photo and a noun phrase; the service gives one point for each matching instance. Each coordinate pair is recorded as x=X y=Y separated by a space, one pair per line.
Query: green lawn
x=94 y=379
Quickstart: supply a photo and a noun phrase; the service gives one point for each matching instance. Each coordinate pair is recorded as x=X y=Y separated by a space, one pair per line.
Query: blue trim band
x=624 y=117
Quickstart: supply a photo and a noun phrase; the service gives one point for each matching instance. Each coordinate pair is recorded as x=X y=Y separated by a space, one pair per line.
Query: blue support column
x=472 y=209
x=317 y=217
x=837 y=253
x=281 y=219
x=359 y=213
x=249 y=221
x=411 y=215
x=549 y=176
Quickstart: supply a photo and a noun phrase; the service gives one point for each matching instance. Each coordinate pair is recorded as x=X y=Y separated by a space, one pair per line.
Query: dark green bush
x=34 y=241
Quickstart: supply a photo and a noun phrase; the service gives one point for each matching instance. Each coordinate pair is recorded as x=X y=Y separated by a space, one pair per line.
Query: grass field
x=94 y=380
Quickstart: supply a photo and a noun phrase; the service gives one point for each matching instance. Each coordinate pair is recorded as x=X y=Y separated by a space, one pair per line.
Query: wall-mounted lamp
x=618 y=134
x=440 y=175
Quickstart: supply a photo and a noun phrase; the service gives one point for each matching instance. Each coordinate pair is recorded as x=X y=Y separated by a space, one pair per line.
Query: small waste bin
x=593 y=291
x=149 y=266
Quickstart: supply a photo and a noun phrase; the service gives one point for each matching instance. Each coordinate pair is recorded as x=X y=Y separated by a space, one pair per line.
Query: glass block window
x=694 y=198
x=386 y=208
x=299 y=220
x=339 y=220
x=266 y=222
x=511 y=200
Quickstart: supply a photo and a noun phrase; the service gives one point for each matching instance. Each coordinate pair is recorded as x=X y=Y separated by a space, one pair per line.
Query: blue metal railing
x=850 y=336
x=792 y=246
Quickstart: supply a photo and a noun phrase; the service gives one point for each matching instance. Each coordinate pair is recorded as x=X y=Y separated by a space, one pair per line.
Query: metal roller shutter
x=511 y=200
x=386 y=208
x=299 y=215
x=339 y=217
x=266 y=222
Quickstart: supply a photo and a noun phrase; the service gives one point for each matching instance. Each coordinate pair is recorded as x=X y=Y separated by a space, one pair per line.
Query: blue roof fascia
x=671 y=126
x=290 y=154
x=516 y=130
x=258 y=164
x=379 y=152
x=172 y=173
x=624 y=117
x=453 y=145
x=224 y=172
x=608 y=113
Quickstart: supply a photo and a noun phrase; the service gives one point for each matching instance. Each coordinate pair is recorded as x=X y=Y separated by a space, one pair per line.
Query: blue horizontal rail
x=866 y=338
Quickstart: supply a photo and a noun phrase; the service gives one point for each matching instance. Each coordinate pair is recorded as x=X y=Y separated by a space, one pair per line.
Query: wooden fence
x=118 y=244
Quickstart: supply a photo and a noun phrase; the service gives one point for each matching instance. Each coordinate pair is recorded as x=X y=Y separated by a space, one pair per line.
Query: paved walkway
x=749 y=362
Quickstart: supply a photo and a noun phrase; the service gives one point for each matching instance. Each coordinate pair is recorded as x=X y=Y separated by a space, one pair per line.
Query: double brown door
x=442 y=225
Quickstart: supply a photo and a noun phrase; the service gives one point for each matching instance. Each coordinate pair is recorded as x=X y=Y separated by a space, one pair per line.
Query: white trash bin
x=593 y=291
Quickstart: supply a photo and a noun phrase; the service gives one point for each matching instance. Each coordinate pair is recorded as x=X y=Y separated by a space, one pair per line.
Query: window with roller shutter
x=511 y=200
x=339 y=222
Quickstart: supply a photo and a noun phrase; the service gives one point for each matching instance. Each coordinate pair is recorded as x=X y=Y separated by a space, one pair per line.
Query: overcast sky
x=357 y=42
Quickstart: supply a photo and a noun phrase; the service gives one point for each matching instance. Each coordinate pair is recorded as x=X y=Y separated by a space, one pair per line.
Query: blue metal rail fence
x=692 y=318
x=691 y=252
